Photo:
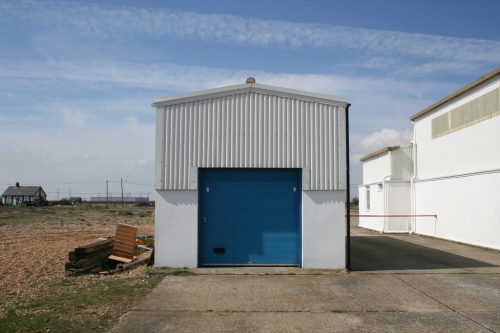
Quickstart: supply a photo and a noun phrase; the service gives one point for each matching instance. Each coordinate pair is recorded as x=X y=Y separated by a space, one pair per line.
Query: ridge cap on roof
x=250 y=87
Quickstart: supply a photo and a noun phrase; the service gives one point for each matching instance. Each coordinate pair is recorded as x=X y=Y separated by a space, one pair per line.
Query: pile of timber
x=88 y=257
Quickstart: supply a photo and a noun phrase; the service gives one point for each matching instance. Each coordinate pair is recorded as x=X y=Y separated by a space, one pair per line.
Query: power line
x=92 y=193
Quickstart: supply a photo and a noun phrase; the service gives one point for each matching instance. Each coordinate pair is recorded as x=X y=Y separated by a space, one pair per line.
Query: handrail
x=395 y=215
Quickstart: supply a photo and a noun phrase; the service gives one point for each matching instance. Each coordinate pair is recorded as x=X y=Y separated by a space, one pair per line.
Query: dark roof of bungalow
x=21 y=190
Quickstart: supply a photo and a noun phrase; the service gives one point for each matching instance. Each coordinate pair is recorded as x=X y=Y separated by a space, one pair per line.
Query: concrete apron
x=449 y=288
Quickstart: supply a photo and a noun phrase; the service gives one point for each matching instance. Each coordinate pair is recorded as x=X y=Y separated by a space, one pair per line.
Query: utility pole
x=107 y=194
x=121 y=181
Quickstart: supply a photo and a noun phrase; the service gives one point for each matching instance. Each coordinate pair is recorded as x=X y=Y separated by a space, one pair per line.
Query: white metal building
x=456 y=158
x=386 y=189
x=250 y=175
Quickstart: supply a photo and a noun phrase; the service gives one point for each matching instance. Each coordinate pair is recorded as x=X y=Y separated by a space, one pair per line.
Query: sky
x=77 y=78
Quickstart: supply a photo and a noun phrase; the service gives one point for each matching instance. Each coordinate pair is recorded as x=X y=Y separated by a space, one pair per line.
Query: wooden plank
x=124 y=226
x=95 y=246
x=117 y=258
x=87 y=264
x=72 y=256
x=123 y=249
x=124 y=254
x=125 y=243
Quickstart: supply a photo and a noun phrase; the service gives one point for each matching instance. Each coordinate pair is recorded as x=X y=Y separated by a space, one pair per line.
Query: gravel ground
x=35 y=243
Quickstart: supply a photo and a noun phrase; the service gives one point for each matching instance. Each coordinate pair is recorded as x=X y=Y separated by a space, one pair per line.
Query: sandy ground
x=35 y=242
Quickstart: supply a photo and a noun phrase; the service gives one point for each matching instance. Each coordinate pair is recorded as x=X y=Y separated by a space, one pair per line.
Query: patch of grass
x=43 y=210
x=72 y=306
x=181 y=272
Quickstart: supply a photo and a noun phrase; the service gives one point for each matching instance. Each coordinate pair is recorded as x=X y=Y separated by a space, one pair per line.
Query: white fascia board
x=299 y=94
x=180 y=98
x=249 y=87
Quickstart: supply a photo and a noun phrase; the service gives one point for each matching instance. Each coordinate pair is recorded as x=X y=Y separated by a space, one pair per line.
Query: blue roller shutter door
x=250 y=216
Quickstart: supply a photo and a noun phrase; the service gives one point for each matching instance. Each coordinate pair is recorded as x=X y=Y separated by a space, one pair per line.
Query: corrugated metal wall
x=251 y=130
x=402 y=163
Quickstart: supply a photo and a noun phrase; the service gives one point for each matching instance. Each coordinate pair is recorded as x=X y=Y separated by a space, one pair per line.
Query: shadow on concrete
x=381 y=253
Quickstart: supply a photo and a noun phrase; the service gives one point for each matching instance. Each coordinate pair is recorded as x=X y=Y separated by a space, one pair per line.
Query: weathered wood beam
x=95 y=246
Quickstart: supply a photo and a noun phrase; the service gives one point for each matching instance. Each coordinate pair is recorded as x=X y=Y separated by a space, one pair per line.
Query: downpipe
x=386 y=204
x=348 y=193
x=413 y=194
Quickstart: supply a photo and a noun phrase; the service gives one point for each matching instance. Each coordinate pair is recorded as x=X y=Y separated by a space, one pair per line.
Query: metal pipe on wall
x=348 y=193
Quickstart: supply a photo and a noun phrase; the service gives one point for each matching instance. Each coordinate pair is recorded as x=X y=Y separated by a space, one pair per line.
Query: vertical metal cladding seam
x=169 y=149
x=163 y=164
x=335 y=146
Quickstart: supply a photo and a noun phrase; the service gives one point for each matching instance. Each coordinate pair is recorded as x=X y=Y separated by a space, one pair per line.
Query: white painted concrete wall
x=323 y=229
x=374 y=171
x=376 y=207
x=471 y=149
x=458 y=175
x=376 y=168
x=468 y=150
x=398 y=203
x=176 y=228
x=468 y=209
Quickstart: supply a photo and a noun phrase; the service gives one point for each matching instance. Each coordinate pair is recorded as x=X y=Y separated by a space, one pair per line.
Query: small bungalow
x=17 y=195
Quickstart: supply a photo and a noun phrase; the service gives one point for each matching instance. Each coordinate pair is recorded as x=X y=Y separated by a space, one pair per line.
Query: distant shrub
x=62 y=202
x=144 y=204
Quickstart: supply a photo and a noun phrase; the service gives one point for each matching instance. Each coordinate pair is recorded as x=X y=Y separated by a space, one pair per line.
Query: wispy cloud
x=384 y=138
x=97 y=74
x=388 y=100
x=373 y=142
x=183 y=78
x=112 y=22
x=86 y=155
x=80 y=84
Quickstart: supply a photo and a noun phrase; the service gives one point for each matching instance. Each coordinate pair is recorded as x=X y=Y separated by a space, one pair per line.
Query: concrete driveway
x=399 y=283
